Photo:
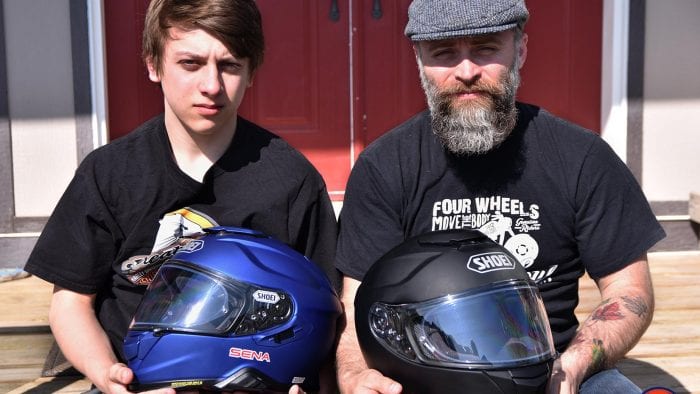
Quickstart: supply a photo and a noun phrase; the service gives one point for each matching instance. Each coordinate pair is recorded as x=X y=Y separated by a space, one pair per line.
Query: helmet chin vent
x=248 y=378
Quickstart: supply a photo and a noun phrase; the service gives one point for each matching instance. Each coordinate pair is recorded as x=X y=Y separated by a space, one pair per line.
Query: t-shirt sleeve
x=370 y=221
x=314 y=227
x=76 y=247
x=615 y=223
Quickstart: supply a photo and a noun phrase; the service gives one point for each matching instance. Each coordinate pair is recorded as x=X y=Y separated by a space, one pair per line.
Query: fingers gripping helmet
x=452 y=311
x=233 y=309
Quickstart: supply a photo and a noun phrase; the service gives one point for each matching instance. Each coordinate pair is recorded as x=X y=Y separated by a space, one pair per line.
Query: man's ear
x=522 y=53
x=153 y=73
x=416 y=50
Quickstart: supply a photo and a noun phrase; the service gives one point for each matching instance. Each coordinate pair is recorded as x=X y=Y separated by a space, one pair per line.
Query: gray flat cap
x=440 y=19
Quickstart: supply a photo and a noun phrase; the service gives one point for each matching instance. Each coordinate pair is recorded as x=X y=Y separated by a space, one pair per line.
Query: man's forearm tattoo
x=636 y=305
x=598 y=355
x=607 y=311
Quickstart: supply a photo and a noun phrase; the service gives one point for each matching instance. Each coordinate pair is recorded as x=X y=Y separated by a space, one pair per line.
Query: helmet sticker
x=247 y=354
x=181 y=223
x=171 y=237
x=192 y=246
x=186 y=383
x=488 y=262
x=268 y=297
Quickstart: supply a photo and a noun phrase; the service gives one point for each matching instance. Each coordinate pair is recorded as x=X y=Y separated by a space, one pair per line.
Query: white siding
x=41 y=105
x=671 y=161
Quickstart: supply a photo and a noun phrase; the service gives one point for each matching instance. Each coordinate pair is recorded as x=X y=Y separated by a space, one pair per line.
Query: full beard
x=475 y=126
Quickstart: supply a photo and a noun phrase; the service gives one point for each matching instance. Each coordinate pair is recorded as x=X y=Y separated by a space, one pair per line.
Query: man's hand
x=560 y=382
x=367 y=381
x=354 y=377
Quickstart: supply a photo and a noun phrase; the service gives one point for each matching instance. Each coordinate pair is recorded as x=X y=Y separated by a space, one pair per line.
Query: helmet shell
x=428 y=267
x=268 y=359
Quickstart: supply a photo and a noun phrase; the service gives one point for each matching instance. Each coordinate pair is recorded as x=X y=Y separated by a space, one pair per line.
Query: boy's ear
x=153 y=74
x=251 y=77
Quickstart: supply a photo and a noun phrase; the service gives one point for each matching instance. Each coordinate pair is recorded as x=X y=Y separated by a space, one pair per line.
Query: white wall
x=41 y=104
x=671 y=161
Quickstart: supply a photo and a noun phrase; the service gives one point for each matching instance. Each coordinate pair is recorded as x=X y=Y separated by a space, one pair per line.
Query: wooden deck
x=668 y=355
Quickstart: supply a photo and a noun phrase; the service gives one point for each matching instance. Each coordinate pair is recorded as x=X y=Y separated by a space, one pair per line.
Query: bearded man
x=551 y=192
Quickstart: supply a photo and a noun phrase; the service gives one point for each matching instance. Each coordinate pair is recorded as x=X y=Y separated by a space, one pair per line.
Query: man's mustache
x=481 y=87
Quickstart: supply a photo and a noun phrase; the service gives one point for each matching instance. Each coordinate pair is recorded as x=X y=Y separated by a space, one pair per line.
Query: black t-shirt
x=128 y=201
x=553 y=193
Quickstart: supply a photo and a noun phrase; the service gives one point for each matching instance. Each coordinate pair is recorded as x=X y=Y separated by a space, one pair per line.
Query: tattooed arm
x=611 y=330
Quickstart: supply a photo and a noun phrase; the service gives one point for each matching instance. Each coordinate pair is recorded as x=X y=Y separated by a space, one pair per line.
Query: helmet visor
x=496 y=327
x=181 y=298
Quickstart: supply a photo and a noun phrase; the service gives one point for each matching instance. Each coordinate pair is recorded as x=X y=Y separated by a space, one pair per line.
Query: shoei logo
x=246 y=354
x=267 y=297
x=487 y=262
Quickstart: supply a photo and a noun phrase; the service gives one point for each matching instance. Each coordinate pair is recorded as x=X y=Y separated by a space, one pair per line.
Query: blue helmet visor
x=498 y=327
x=185 y=299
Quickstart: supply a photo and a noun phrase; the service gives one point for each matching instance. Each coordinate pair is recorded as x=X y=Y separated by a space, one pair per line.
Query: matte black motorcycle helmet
x=452 y=311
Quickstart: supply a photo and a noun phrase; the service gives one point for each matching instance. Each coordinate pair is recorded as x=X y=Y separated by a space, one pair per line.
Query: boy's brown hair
x=236 y=23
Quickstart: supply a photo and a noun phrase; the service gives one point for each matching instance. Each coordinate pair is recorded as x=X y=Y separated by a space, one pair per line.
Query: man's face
x=203 y=82
x=470 y=84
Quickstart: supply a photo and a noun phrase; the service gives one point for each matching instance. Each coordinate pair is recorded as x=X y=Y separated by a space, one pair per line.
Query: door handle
x=377 y=9
x=334 y=13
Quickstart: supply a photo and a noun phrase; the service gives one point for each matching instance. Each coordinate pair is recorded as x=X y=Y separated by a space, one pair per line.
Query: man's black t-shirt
x=129 y=201
x=553 y=193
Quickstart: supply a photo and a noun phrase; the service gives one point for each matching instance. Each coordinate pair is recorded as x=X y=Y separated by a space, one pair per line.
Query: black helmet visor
x=487 y=328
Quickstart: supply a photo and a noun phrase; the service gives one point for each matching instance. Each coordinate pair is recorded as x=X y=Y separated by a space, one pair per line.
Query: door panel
x=562 y=72
x=131 y=97
x=387 y=79
x=302 y=89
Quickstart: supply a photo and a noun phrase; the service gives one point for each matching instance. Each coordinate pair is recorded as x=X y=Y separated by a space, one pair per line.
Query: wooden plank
x=63 y=385
x=23 y=357
x=28 y=301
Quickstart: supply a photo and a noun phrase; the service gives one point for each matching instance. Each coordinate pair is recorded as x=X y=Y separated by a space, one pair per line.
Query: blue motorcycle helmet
x=233 y=310
x=452 y=312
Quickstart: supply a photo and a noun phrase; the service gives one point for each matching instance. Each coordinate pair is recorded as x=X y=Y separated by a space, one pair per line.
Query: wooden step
x=668 y=354
x=25 y=340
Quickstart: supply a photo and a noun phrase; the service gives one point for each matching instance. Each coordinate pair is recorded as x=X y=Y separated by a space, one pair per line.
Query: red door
x=302 y=90
x=339 y=73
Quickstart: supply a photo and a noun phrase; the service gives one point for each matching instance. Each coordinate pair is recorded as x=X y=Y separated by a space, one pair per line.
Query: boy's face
x=203 y=82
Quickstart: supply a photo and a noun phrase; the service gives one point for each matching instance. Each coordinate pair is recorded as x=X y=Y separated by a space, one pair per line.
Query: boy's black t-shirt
x=553 y=193
x=128 y=201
